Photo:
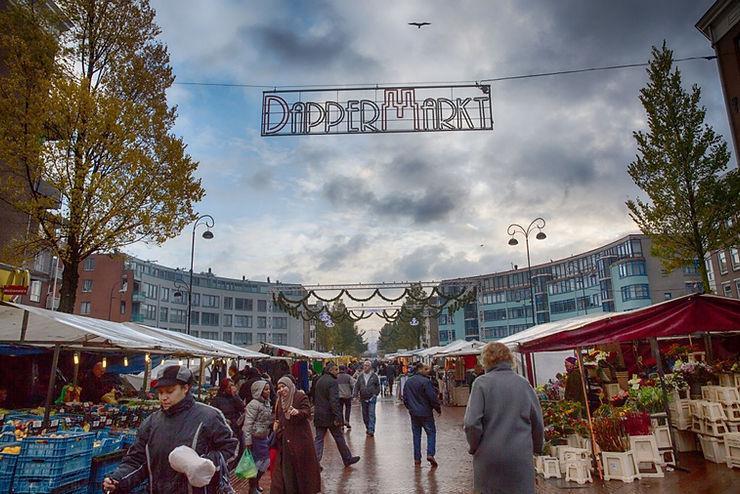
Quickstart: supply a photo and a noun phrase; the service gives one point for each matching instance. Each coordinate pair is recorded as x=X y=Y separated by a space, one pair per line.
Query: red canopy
x=678 y=317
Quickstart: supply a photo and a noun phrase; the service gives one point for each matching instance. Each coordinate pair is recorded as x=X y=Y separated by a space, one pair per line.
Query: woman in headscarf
x=232 y=407
x=296 y=470
x=257 y=430
x=503 y=425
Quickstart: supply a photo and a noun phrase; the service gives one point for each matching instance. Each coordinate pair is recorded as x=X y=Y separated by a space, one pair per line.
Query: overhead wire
x=470 y=81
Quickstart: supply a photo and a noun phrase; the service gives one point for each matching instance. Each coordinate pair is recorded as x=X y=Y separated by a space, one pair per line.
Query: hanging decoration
x=415 y=304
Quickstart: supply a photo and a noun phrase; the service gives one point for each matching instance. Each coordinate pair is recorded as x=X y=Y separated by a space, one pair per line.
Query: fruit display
x=11 y=450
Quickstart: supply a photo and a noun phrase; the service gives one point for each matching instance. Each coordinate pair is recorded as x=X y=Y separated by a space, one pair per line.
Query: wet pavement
x=387 y=464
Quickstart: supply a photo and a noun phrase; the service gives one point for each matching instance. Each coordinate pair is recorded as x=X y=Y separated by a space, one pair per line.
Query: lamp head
x=208 y=234
x=541 y=236
x=513 y=241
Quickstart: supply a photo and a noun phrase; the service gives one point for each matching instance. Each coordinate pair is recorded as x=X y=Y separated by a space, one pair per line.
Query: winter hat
x=199 y=471
x=173 y=374
x=257 y=388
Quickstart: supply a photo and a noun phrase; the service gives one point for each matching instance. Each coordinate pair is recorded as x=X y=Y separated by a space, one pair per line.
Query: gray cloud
x=341 y=250
x=261 y=179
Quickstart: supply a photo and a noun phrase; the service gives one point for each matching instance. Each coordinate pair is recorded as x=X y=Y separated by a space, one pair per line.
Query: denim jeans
x=338 y=436
x=345 y=405
x=426 y=423
x=368 y=413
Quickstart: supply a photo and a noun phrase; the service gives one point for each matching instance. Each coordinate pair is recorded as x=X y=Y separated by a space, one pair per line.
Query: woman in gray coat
x=503 y=425
x=257 y=429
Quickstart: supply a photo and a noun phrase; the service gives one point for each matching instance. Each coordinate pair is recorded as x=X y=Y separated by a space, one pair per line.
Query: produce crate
x=8 y=460
x=127 y=437
x=6 y=480
x=713 y=449
x=66 y=420
x=46 y=485
x=101 y=468
x=52 y=467
x=59 y=445
x=106 y=446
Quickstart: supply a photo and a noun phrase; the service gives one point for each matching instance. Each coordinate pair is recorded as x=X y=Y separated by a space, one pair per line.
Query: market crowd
x=259 y=422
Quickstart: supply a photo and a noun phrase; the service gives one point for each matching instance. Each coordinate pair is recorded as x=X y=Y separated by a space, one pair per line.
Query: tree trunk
x=70 y=279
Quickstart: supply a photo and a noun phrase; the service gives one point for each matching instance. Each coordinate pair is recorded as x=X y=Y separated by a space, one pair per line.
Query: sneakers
x=432 y=461
x=352 y=461
x=349 y=427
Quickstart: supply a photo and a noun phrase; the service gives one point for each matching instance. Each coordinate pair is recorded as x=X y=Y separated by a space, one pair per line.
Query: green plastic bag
x=246 y=469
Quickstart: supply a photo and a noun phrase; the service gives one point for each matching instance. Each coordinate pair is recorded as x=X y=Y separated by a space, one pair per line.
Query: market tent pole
x=147 y=370
x=708 y=347
x=661 y=375
x=200 y=377
x=24 y=325
x=599 y=467
x=52 y=382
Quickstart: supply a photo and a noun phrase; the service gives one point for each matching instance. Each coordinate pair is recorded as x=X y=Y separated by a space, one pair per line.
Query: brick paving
x=387 y=464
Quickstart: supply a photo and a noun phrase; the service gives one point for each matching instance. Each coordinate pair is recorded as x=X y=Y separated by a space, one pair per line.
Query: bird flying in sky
x=419 y=25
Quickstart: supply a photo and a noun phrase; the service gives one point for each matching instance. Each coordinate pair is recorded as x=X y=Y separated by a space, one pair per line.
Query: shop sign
x=14 y=290
x=377 y=110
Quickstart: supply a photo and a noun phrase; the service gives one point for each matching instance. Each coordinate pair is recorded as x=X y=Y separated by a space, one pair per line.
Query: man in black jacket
x=184 y=424
x=420 y=399
x=367 y=388
x=328 y=415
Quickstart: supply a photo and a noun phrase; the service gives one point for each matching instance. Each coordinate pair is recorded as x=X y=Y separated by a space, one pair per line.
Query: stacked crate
x=732 y=449
x=47 y=463
x=720 y=409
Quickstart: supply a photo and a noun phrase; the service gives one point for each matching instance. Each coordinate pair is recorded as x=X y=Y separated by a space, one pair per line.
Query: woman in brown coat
x=296 y=470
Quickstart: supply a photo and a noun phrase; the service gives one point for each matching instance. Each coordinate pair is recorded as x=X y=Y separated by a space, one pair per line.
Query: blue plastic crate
x=127 y=437
x=101 y=469
x=69 y=443
x=7 y=437
x=52 y=467
x=7 y=460
x=66 y=421
x=6 y=480
x=46 y=485
x=107 y=445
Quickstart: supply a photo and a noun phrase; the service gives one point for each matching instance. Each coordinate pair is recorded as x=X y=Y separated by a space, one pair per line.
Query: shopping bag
x=246 y=469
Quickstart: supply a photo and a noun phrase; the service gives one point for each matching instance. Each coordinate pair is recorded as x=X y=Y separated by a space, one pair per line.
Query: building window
x=228 y=303
x=243 y=304
x=242 y=338
x=262 y=337
x=85 y=307
x=194 y=317
x=727 y=290
x=163 y=314
x=635 y=292
x=735 y=257
x=243 y=321
x=89 y=264
x=561 y=306
x=262 y=306
x=150 y=311
x=123 y=307
x=211 y=301
x=165 y=293
x=228 y=320
x=693 y=287
x=722 y=259
x=34 y=292
x=280 y=338
x=710 y=270
x=87 y=286
x=196 y=299
x=667 y=296
x=632 y=268
x=494 y=315
x=261 y=322
x=279 y=323
x=737 y=288
x=226 y=336
x=209 y=319
x=178 y=316
x=442 y=320
x=209 y=335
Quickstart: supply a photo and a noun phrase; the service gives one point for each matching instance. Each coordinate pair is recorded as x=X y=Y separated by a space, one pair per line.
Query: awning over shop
x=697 y=313
x=293 y=351
x=33 y=326
x=454 y=348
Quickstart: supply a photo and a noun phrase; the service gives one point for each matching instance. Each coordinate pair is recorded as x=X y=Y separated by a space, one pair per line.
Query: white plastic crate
x=713 y=449
x=685 y=440
x=726 y=394
x=732 y=411
x=662 y=436
x=732 y=449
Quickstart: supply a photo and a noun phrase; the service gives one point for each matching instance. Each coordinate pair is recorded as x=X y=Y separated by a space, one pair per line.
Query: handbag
x=246 y=469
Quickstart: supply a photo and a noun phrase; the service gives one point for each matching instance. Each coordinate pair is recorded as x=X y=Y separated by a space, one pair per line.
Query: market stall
x=299 y=361
x=637 y=429
x=460 y=366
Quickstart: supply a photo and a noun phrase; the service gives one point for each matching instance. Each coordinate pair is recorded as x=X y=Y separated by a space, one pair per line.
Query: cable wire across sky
x=493 y=79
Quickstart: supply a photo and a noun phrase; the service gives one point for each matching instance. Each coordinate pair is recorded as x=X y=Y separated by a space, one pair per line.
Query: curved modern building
x=616 y=277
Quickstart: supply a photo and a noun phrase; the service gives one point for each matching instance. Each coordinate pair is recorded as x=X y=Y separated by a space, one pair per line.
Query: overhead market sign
x=377 y=110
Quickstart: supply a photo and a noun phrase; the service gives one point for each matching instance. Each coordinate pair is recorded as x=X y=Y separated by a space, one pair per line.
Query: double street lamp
x=208 y=221
x=513 y=230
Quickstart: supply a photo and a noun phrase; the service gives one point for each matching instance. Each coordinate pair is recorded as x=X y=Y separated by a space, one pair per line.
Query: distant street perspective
x=288 y=247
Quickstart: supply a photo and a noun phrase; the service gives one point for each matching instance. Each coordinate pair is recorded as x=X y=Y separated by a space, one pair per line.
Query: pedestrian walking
x=296 y=470
x=420 y=399
x=391 y=373
x=346 y=385
x=328 y=415
x=503 y=425
x=368 y=389
x=184 y=447
x=233 y=408
x=257 y=430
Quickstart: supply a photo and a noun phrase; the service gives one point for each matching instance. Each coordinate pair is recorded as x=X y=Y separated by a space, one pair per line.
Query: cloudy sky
x=416 y=207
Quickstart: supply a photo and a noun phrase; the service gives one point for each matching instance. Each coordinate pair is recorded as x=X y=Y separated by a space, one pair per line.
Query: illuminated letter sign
x=377 y=110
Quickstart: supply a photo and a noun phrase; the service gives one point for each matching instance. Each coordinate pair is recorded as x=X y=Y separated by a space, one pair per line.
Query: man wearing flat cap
x=186 y=447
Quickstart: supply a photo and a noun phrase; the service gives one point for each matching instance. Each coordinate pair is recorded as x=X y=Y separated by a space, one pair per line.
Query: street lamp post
x=208 y=221
x=512 y=230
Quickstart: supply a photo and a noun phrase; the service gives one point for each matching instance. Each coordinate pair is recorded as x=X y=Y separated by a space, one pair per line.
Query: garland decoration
x=450 y=300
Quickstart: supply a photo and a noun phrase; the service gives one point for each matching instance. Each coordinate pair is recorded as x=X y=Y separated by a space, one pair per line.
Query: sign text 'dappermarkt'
x=377 y=110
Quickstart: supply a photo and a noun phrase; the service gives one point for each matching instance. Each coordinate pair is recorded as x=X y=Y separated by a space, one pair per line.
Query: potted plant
x=697 y=374
x=619 y=462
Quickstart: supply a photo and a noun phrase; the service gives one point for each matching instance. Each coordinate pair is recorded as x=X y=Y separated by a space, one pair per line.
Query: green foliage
x=110 y=153
x=401 y=333
x=682 y=167
x=343 y=337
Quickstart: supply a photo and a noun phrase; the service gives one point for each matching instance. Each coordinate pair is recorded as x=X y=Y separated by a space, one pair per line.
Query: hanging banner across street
x=377 y=110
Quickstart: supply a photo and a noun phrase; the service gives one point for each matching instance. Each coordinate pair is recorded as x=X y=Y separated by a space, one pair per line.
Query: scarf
x=287 y=401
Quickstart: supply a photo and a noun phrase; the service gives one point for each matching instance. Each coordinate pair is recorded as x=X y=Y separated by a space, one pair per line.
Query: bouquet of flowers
x=552 y=390
x=562 y=418
x=675 y=382
x=610 y=435
x=619 y=399
x=726 y=366
x=650 y=399
x=696 y=372
x=637 y=423
x=678 y=351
